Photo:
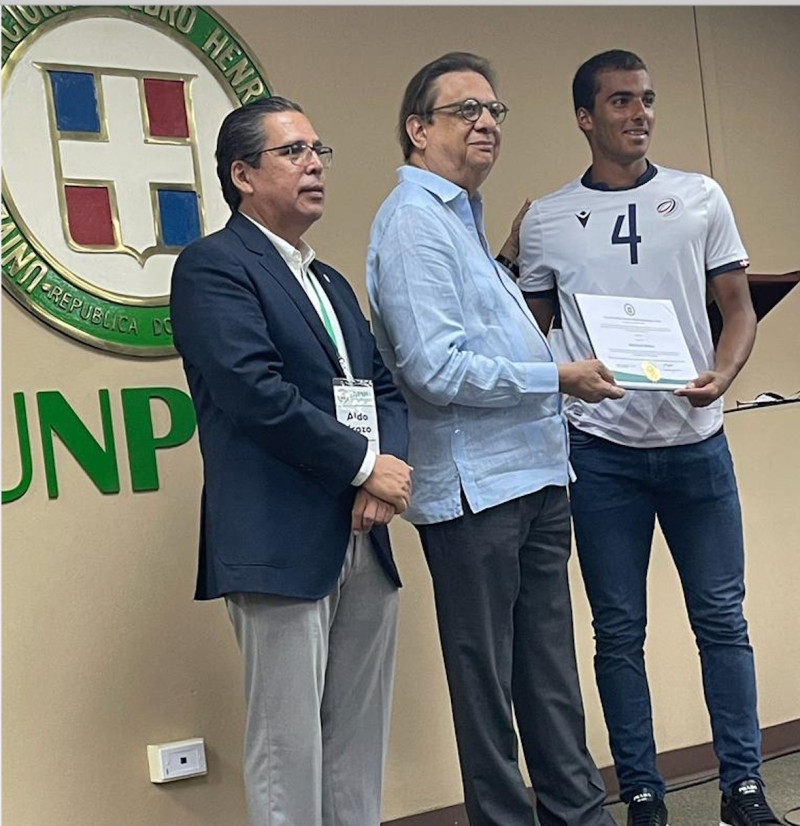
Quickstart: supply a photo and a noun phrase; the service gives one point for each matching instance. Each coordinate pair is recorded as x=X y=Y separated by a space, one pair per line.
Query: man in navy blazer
x=295 y=503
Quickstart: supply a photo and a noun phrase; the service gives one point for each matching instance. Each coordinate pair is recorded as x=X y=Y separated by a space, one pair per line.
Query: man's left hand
x=706 y=388
x=369 y=510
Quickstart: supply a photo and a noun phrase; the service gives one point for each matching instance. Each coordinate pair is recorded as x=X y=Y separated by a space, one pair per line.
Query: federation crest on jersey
x=670 y=207
x=110 y=120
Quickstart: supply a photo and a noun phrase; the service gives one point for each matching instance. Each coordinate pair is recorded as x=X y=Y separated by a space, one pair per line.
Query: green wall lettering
x=100 y=464
x=98 y=458
x=25 y=460
x=142 y=441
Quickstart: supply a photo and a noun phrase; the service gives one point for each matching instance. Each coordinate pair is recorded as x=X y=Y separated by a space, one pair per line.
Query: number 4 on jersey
x=631 y=239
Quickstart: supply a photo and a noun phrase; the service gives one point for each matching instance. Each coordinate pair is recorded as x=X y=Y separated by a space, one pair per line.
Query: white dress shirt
x=299 y=260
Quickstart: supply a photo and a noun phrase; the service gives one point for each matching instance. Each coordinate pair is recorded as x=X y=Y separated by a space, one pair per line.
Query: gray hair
x=419 y=96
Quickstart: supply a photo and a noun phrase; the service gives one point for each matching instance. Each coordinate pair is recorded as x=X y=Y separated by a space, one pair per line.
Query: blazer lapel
x=273 y=263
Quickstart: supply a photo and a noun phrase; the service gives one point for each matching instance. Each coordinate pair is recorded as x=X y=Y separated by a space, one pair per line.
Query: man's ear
x=584 y=118
x=240 y=175
x=417 y=131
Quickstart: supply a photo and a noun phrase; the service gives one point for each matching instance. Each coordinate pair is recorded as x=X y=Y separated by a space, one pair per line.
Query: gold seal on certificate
x=651 y=371
x=639 y=339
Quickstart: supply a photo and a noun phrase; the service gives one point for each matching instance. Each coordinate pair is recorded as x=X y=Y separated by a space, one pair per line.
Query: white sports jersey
x=663 y=238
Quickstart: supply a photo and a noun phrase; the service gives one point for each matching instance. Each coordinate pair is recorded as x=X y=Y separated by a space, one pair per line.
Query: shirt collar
x=646 y=176
x=445 y=190
x=302 y=255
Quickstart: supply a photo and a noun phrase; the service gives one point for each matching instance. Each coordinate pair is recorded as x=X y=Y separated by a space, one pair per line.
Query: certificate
x=638 y=339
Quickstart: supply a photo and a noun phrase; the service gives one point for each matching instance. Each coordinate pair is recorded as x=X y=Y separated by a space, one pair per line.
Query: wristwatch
x=510 y=265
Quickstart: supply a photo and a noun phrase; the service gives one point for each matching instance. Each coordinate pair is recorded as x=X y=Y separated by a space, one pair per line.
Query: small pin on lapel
x=324 y=275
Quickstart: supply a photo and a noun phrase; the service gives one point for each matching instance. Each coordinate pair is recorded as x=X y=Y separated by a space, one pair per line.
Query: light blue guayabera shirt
x=478 y=376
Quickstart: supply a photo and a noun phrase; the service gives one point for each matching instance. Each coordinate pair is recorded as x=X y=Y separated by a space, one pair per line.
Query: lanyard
x=326 y=320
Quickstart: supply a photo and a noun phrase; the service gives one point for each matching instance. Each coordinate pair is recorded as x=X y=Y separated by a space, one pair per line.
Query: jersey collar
x=646 y=176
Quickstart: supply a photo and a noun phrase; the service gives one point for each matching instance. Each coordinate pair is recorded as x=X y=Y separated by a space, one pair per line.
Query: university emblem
x=110 y=116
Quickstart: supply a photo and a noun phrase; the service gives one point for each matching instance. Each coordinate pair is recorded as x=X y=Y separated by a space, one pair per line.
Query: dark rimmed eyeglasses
x=471 y=109
x=300 y=153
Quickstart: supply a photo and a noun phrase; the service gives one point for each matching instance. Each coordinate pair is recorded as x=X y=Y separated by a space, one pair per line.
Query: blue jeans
x=692 y=490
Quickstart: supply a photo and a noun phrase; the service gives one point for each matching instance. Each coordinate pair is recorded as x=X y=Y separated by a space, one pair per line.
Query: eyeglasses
x=471 y=109
x=300 y=153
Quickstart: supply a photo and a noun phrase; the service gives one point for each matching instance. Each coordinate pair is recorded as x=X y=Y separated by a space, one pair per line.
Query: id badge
x=355 y=407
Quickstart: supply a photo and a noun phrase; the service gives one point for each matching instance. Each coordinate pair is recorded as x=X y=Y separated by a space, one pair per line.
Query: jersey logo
x=583 y=217
x=670 y=207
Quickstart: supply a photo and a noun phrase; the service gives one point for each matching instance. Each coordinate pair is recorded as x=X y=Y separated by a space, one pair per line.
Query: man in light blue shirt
x=489 y=451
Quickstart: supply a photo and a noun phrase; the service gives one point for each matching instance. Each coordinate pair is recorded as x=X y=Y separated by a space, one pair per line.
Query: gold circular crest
x=110 y=117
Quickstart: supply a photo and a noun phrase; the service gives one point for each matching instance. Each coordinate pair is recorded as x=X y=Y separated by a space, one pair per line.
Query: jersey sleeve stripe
x=740 y=264
x=552 y=293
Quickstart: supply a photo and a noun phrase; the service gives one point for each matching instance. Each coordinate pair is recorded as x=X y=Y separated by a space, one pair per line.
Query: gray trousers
x=318 y=685
x=505 y=624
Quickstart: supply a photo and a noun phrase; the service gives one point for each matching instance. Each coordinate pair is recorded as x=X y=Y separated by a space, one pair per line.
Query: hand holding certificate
x=638 y=339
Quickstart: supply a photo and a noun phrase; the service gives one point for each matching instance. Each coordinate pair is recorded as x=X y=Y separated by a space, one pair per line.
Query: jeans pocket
x=579 y=438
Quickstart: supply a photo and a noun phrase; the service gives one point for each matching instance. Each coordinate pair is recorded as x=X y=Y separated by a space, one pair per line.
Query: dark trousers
x=505 y=623
x=692 y=490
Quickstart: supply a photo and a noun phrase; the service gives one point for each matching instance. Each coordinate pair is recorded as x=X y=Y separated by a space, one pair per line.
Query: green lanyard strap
x=326 y=320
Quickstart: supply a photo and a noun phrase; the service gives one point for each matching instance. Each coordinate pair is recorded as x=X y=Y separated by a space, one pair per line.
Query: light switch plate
x=177 y=760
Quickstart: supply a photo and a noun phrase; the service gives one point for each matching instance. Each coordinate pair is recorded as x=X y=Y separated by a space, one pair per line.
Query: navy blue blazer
x=277 y=465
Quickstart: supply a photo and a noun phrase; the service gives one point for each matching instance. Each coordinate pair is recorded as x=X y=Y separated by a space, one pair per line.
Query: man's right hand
x=589 y=380
x=390 y=480
x=369 y=511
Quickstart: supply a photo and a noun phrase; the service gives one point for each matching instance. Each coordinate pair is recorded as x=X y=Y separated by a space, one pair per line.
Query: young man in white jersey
x=629 y=228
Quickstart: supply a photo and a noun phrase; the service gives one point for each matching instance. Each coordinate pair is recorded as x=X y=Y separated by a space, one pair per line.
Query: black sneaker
x=646 y=809
x=746 y=806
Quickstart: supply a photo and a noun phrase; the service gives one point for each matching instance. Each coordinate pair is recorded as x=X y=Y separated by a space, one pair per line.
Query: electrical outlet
x=176 y=760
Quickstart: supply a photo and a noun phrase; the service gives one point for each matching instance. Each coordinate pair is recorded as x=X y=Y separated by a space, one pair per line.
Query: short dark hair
x=584 y=84
x=241 y=137
x=420 y=94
